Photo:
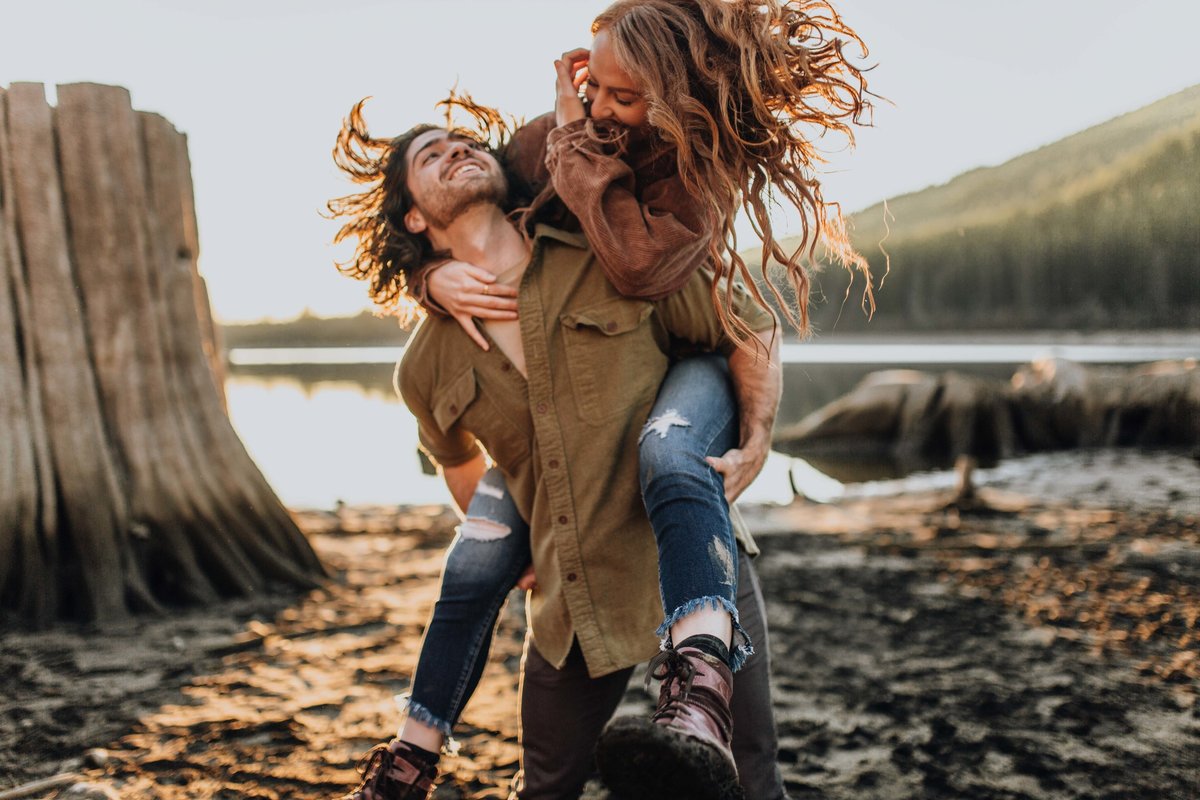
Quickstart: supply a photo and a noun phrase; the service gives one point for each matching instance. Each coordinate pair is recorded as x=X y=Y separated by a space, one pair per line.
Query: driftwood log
x=1061 y=404
x=912 y=420
x=123 y=486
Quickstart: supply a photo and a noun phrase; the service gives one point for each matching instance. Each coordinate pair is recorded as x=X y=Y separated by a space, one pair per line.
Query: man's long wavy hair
x=740 y=89
x=387 y=255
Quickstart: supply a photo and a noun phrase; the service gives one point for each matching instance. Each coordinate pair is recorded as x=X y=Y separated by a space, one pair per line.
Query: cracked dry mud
x=1028 y=648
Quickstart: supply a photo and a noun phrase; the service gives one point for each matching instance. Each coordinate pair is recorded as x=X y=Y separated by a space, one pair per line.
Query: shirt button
x=562 y=520
x=505 y=367
x=610 y=327
x=554 y=463
x=541 y=408
x=453 y=409
x=571 y=576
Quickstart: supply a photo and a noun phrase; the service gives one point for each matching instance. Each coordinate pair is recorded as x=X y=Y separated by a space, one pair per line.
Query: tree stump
x=909 y=420
x=127 y=489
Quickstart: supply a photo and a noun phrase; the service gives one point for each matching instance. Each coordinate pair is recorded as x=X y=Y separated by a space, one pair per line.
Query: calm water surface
x=324 y=425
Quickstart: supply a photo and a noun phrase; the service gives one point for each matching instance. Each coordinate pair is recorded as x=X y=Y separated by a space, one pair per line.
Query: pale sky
x=260 y=87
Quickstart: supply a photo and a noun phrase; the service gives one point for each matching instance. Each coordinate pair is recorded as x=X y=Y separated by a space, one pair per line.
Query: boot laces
x=672 y=668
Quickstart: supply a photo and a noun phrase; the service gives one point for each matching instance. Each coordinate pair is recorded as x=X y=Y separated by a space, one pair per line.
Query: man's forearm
x=758 y=385
x=462 y=480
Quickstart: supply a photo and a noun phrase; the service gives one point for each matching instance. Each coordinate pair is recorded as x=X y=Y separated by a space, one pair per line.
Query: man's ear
x=414 y=220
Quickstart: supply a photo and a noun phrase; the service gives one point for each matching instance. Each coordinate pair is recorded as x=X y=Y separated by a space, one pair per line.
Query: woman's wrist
x=420 y=290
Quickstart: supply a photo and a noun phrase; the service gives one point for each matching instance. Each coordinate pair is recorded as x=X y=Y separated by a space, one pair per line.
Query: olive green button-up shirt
x=566 y=438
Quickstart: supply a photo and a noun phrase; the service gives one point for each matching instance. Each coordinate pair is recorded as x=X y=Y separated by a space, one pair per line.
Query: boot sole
x=640 y=760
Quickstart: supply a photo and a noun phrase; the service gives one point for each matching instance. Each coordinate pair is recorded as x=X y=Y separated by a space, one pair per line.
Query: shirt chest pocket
x=611 y=356
x=465 y=403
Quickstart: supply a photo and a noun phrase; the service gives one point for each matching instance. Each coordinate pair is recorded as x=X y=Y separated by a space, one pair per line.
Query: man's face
x=447 y=174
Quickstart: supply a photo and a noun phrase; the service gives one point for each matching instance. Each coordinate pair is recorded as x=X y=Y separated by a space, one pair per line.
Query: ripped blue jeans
x=484 y=561
x=695 y=415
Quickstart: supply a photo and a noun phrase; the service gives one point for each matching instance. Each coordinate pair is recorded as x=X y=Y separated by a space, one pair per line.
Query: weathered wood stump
x=127 y=488
x=906 y=418
x=911 y=420
x=1059 y=404
x=1161 y=406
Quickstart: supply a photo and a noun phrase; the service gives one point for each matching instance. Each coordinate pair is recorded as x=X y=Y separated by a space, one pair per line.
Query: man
x=566 y=438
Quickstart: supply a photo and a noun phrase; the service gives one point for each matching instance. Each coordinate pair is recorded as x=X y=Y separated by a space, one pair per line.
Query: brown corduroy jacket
x=645 y=229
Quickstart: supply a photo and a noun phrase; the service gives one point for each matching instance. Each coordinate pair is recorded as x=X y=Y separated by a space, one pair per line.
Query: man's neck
x=483 y=236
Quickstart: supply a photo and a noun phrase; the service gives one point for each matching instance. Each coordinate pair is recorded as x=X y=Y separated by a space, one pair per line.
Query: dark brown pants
x=563 y=712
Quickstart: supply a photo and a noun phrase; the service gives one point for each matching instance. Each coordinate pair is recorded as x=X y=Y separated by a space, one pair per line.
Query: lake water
x=324 y=425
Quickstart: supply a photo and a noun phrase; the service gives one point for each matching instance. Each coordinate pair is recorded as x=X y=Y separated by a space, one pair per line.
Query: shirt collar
x=542 y=231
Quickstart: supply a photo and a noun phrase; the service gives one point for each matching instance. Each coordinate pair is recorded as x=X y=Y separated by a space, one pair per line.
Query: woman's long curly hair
x=387 y=255
x=740 y=89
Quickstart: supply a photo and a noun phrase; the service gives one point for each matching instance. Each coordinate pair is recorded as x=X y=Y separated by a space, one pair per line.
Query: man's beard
x=444 y=207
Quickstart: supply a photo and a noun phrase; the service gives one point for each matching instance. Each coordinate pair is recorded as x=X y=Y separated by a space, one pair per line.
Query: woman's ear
x=414 y=220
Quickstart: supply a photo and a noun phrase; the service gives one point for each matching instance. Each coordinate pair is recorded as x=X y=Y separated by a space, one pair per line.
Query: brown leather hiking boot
x=683 y=750
x=393 y=772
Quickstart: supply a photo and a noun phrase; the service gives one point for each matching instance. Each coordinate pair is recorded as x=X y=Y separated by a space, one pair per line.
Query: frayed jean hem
x=423 y=715
x=742 y=647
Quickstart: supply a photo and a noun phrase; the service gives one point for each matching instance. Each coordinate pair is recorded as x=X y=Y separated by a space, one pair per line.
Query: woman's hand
x=572 y=72
x=528 y=580
x=739 y=467
x=467 y=291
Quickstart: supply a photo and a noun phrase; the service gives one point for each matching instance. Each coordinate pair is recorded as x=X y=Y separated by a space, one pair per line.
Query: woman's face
x=611 y=92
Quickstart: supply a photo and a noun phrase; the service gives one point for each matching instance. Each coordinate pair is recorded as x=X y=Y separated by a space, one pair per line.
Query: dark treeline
x=1096 y=231
x=362 y=330
x=1125 y=254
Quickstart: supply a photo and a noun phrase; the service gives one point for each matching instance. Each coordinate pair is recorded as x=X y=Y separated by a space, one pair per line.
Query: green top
x=566 y=438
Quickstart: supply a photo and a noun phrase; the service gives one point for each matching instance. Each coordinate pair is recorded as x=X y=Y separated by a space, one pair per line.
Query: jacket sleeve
x=647 y=245
x=524 y=156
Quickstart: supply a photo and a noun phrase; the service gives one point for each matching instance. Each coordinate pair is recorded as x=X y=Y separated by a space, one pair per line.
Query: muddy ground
x=1043 y=644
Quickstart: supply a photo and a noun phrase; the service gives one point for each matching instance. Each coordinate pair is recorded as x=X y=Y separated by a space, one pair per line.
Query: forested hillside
x=1098 y=230
x=307 y=330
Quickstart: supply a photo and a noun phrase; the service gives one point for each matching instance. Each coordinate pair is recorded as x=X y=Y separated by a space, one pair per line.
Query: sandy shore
x=1044 y=645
